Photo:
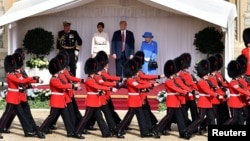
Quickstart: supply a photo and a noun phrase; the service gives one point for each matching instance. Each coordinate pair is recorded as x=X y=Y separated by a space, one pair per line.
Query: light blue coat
x=150 y=51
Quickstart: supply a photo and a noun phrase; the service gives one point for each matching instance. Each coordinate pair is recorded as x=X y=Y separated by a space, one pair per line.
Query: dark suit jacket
x=116 y=47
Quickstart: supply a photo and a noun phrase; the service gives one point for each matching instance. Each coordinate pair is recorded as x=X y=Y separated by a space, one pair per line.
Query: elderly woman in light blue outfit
x=150 y=48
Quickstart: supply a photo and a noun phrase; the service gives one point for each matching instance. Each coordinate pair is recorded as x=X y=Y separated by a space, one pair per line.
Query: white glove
x=147 y=59
x=228 y=93
x=76 y=52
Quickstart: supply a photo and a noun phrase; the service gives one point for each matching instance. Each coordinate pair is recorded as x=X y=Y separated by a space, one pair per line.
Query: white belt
x=13 y=90
x=57 y=93
x=204 y=95
x=172 y=93
x=95 y=93
x=234 y=94
x=133 y=93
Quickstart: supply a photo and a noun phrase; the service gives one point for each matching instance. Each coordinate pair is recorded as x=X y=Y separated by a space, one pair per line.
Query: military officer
x=70 y=41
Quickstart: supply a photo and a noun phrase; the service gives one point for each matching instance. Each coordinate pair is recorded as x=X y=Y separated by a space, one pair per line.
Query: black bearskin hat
x=242 y=60
x=54 y=66
x=19 y=60
x=234 y=69
x=62 y=60
x=21 y=51
x=213 y=60
x=178 y=63
x=169 y=68
x=92 y=66
x=220 y=60
x=66 y=55
x=246 y=36
x=203 y=68
x=9 y=64
x=186 y=60
x=140 y=56
x=102 y=58
x=130 y=68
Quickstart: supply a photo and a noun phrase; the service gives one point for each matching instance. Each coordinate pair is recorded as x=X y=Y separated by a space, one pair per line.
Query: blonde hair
x=123 y=22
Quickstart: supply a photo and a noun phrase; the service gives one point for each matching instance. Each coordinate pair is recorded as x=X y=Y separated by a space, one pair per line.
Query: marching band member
x=58 y=101
x=173 y=103
x=204 y=102
x=13 y=98
x=94 y=91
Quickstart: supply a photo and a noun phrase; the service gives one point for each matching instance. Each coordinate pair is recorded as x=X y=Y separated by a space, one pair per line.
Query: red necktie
x=123 y=40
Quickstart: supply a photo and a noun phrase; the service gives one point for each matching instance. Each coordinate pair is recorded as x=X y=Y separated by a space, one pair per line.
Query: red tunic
x=147 y=76
x=236 y=92
x=218 y=90
x=244 y=98
x=187 y=77
x=221 y=79
x=68 y=92
x=100 y=81
x=246 y=53
x=92 y=88
x=181 y=84
x=58 y=92
x=143 y=94
x=134 y=98
x=206 y=94
x=13 y=94
x=109 y=77
x=173 y=92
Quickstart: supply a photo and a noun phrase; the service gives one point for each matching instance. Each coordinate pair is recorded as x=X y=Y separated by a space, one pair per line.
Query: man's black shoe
x=5 y=130
x=91 y=128
x=106 y=136
x=85 y=131
x=40 y=135
x=119 y=135
x=147 y=135
x=47 y=131
x=165 y=133
x=156 y=135
x=186 y=135
x=52 y=127
x=30 y=134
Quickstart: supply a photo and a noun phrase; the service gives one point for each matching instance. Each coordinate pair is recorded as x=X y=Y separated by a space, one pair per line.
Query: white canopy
x=218 y=12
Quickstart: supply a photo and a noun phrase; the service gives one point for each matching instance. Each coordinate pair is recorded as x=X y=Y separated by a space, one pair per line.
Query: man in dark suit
x=123 y=45
x=70 y=41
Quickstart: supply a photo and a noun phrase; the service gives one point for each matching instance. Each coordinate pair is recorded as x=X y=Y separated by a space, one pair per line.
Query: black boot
x=40 y=135
x=156 y=134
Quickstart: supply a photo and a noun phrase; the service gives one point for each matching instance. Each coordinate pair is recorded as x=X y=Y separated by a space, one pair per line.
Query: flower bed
x=37 y=98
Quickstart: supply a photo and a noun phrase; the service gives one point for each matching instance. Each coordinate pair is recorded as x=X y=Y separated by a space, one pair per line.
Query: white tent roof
x=218 y=12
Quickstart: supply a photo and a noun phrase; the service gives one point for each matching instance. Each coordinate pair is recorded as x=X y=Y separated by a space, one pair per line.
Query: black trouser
x=26 y=109
x=223 y=113
x=72 y=61
x=89 y=112
x=246 y=112
x=147 y=108
x=112 y=109
x=54 y=112
x=236 y=117
x=208 y=112
x=119 y=63
x=114 y=114
x=74 y=112
x=109 y=118
x=172 y=113
x=10 y=109
x=191 y=105
x=140 y=118
x=185 y=114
